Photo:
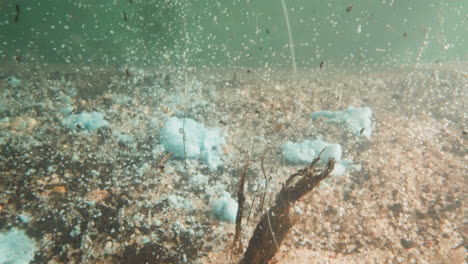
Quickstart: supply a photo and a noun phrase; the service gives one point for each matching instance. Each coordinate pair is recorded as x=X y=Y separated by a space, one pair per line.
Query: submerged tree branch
x=277 y=221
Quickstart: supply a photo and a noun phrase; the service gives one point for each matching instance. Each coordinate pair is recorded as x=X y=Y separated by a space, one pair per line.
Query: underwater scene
x=250 y=132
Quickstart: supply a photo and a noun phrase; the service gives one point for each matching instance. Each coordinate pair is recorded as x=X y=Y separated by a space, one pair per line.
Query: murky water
x=126 y=128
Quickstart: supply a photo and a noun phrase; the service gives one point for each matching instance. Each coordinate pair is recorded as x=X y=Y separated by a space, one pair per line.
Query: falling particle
x=267 y=31
x=125 y=16
x=348 y=9
x=17 y=13
x=405 y=35
x=322 y=64
x=167 y=80
x=362 y=131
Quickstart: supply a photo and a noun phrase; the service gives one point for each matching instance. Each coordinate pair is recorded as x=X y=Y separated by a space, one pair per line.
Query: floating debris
x=17 y=13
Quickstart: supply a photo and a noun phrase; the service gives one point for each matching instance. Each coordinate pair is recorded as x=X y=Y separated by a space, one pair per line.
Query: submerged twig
x=237 y=243
x=267 y=180
x=162 y=162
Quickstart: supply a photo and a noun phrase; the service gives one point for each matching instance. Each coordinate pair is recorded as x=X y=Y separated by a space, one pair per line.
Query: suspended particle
x=17 y=13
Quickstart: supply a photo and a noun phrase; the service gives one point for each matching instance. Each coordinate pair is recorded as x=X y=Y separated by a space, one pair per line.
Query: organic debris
x=278 y=220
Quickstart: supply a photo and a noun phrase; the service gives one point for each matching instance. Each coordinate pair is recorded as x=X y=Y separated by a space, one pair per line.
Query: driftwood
x=277 y=221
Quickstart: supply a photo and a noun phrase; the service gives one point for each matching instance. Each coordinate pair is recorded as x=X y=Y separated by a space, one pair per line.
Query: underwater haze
x=250 y=132
x=233 y=33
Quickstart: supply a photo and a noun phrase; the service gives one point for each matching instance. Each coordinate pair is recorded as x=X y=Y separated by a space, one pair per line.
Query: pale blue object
x=13 y=81
x=200 y=142
x=85 y=122
x=16 y=247
x=306 y=151
x=25 y=217
x=338 y=170
x=179 y=202
x=172 y=134
x=199 y=180
x=125 y=139
x=211 y=147
x=358 y=120
x=225 y=208
x=348 y=164
x=298 y=153
x=66 y=110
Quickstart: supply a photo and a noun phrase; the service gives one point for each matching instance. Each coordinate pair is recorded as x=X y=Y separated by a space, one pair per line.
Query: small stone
x=97 y=196
x=54 y=181
x=407 y=244
x=23 y=123
x=59 y=189
x=108 y=247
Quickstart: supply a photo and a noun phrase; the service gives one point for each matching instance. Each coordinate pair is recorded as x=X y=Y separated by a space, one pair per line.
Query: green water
x=233 y=33
x=129 y=129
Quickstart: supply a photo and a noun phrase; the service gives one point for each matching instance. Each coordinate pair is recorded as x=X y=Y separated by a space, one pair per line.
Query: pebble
x=59 y=189
x=23 y=123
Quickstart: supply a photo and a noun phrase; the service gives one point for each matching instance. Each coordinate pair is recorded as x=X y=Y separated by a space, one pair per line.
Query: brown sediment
x=405 y=205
